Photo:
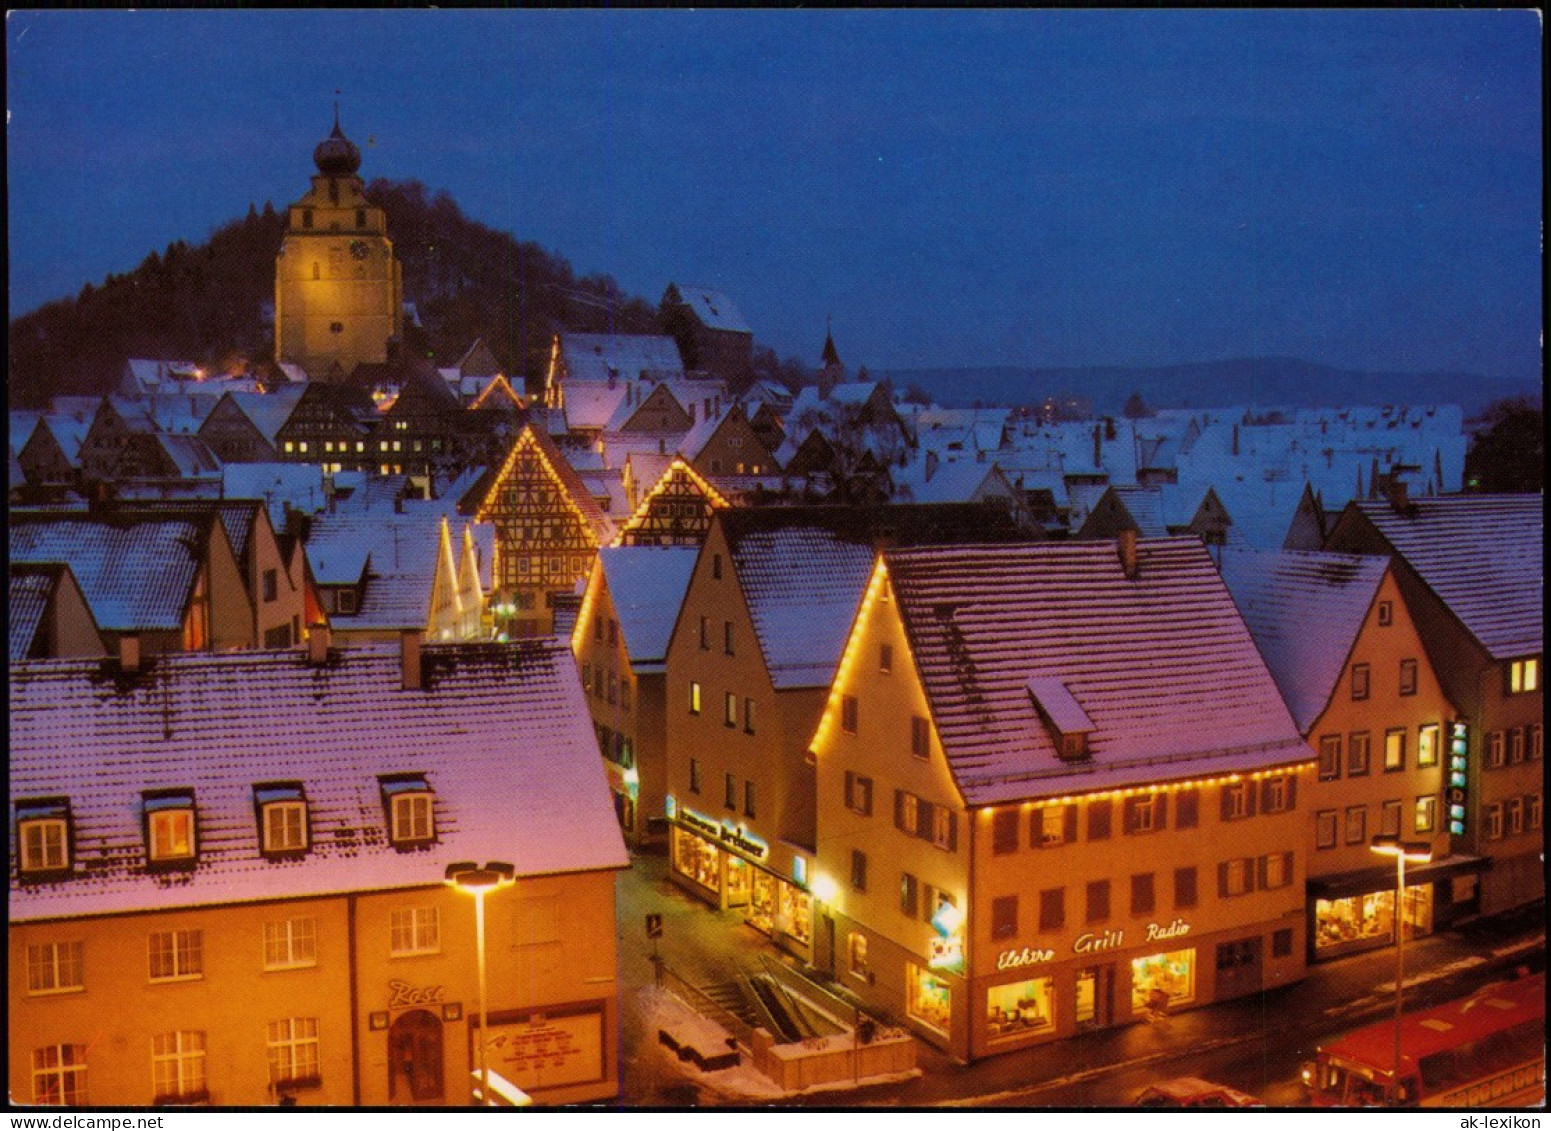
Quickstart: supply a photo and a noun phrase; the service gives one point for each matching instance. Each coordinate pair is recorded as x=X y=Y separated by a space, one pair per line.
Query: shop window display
x=1160 y=980
x=697 y=859
x=1021 y=1008
x=928 y=1000
x=794 y=911
x=1359 y=921
x=762 y=902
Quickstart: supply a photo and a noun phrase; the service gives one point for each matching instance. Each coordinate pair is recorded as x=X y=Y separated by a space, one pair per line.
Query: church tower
x=339 y=292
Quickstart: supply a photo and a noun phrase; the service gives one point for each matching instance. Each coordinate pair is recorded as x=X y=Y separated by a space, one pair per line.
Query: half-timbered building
x=675 y=511
x=548 y=528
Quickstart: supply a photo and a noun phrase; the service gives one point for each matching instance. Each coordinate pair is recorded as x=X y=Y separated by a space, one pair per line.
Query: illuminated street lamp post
x=479 y=882
x=1418 y=852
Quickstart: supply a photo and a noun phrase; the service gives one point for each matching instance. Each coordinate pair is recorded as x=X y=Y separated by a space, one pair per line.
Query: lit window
x=694 y=697
x=1425 y=815
x=1524 y=675
x=293 y=1051
x=856 y=954
x=59 y=1075
x=302 y=447
x=178 y=1066
x=177 y=955
x=1427 y=745
x=1052 y=825
x=43 y=836
x=290 y=447
x=170 y=827
x=414 y=930
x=1394 y=750
x=283 y=810
x=55 y=967
x=290 y=943
x=411 y=810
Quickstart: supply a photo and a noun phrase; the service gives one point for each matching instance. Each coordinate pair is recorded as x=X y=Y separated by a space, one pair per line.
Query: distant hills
x=1284 y=381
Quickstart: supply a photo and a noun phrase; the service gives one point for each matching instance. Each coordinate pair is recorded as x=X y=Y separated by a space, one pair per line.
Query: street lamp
x=1418 y=852
x=479 y=882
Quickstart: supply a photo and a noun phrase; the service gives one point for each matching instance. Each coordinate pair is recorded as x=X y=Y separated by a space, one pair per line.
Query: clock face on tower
x=359 y=249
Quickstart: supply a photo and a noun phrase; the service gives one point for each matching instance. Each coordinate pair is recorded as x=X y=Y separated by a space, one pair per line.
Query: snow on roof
x=853 y=392
x=69 y=431
x=1145 y=506
x=31 y=587
x=500 y=732
x=1483 y=555
x=714 y=309
x=950 y=482
x=1161 y=663
x=608 y=483
x=1304 y=610
x=647 y=585
x=135 y=571
x=594 y=358
x=299 y=485
x=1057 y=703
x=700 y=434
x=269 y=411
x=189 y=455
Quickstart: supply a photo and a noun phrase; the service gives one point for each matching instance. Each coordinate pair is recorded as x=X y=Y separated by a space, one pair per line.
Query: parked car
x=1191 y=1091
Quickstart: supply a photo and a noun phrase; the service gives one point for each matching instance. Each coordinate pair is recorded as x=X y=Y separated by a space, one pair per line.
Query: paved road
x=1256 y=1044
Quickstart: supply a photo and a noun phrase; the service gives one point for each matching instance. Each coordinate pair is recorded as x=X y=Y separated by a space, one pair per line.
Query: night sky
x=956 y=188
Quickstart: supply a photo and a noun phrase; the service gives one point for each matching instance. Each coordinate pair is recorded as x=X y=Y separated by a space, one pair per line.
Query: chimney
x=129 y=654
x=1126 y=542
x=409 y=652
x=318 y=645
x=398 y=501
x=1399 y=493
x=1098 y=445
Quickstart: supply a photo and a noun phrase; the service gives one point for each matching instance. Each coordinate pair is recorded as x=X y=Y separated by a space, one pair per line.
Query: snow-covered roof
x=269 y=411
x=1161 y=664
x=1483 y=555
x=1304 y=609
x=608 y=483
x=69 y=432
x=802 y=571
x=31 y=587
x=957 y=482
x=500 y=732
x=647 y=585
x=594 y=358
x=189 y=455
x=714 y=309
x=135 y=570
x=299 y=485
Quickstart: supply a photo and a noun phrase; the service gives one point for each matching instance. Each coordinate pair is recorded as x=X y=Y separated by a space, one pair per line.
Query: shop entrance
x=415 y=1057
x=1239 y=967
x=737 y=881
x=1095 y=1008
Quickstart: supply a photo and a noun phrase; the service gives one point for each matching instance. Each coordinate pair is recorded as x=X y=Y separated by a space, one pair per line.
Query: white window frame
x=1428 y=735
x=293 y=1051
x=1424 y=816
x=1238 y=804
x=1532 y=811
x=65 y=1067
x=56 y=967
x=44 y=843
x=1242 y=869
x=161 y=832
x=1390 y=818
x=1493 y=815
x=178 y=1064
x=1276 y=795
x=414 y=930
x=1496 y=750
x=1276 y=877
x=1514 y=816
x=1052 y=815
x=1524 y=675
x=183 y=952
x=414 y=817
x=1330 y=818
x=288 y=819
x=290 y=944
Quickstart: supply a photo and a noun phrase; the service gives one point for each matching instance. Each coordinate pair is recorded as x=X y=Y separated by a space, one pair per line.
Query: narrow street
x=1256 y=1044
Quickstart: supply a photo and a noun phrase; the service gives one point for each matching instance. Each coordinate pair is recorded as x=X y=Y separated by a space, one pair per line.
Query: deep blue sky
x=954 y=187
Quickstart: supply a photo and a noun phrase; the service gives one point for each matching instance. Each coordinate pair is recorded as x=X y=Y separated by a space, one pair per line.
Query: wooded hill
x=207 y=303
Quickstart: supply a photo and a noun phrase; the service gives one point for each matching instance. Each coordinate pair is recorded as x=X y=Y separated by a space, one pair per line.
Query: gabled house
x=726 y=444
x=1057 y=790
x=1340 y=642
x=242 y=427
x=548 y=528
x=711 y=332
x=154 y=582
x=48 y=616
x=1472 y=569
x=674 y=511
x=231 y=883
x=620 y=641
x=329 y=425
x=655 y=411
x=51 y=453
x=1156 y=512
x=749 y=664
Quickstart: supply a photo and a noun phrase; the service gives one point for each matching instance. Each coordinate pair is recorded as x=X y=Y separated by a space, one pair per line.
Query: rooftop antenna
x=337 y=93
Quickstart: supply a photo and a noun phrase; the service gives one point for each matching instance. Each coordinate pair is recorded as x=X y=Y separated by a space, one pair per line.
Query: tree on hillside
x=1508 y=454
x=1136 y=408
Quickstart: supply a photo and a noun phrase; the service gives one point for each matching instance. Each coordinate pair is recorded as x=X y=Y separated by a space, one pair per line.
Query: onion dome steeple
x=336 y=155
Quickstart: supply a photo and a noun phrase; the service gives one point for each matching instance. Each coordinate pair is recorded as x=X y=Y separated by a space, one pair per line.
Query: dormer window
x=282 y=817
x=171 y=837
x=411 y=810
x=43 y=838
x=1069 y=725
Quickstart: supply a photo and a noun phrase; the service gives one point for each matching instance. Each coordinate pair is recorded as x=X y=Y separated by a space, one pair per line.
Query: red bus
x=1485 y=1050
